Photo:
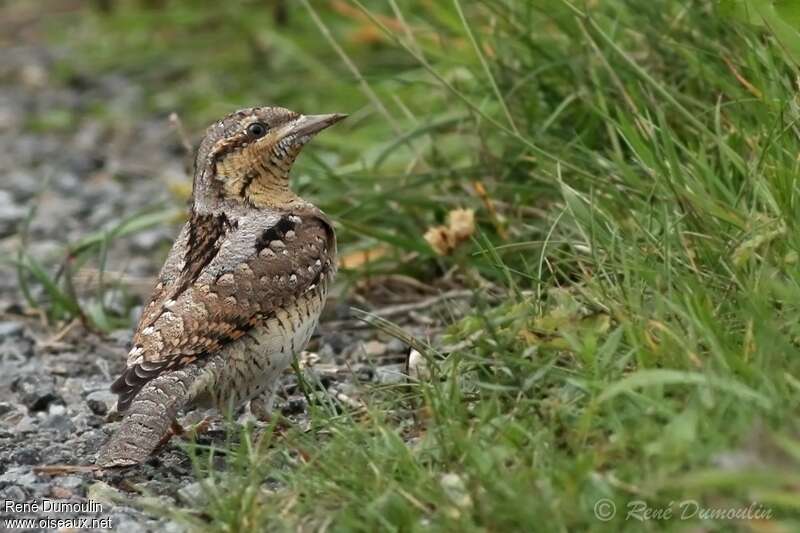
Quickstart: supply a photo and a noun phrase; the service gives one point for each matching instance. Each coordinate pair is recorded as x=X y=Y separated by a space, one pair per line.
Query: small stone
x=295 y=405
x=126 y=525
x=455 y=488
x=57 y=409
x=61 y=425
x=10 y=213
x=365 y=373
x=26 y=424
x=15 y=348
x=172 y=527
x=326 y=353
x=36 y=392
x=33 y=76
x=374 y=348
x=13 y=493
x=390 y=374
x=22 y=476
x=26 y=456
x=69 y=482
x=396 y=346
x=193 y=493
x=11 y=329
x=101 y=402
x=6 y=407
x=336 y=341
x=97 y=407
x=93 y=438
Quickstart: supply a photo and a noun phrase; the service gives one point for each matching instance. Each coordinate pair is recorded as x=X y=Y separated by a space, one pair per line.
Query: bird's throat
x=256 y=183
x=269 y=191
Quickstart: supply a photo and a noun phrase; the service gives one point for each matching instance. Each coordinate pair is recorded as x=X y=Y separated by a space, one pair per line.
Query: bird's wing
x=222 y=278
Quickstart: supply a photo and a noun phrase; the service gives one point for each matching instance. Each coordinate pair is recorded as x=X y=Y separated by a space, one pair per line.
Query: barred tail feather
x=128 y=385
x=148 y=418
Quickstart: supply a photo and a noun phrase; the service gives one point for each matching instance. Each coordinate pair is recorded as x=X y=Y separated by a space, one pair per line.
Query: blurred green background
x=419 y=138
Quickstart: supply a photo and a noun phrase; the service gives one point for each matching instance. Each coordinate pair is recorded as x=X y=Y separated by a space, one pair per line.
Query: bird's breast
x=250 y=364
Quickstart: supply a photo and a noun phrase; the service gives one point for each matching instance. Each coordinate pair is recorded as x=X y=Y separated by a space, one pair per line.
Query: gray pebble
x=15 y=348
x=193 y=493
x=10 y=214
x=61 y=425
x=56 y=409
x=124 y=524
x=13 y=493
x=326 y=353
x=69 y=482
x=295 y=405
x=390 y=374
x=26 y=456
x=26 y=424
x=172 y=527
x=336 y=341
x=21 y=476
x=36 y=392
x=101 y=402
x=6 y=407
x=374 y=348
x=11 y=329
x=97 y=407
x=396 y=346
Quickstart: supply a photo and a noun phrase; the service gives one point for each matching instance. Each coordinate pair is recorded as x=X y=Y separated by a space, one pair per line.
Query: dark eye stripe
x=237 y=137
x=226 y=146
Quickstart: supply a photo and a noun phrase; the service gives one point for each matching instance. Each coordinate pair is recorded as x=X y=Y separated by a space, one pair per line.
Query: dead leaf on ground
x=460 y=227
x=359 y=258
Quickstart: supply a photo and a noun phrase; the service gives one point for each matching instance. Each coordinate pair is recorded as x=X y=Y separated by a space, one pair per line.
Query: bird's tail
x=148 y=419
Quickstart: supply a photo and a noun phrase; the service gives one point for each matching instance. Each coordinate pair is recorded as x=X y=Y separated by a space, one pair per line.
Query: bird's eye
x=257 y=129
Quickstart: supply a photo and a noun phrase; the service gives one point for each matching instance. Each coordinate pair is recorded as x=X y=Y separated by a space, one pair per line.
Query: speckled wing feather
x=237 y=272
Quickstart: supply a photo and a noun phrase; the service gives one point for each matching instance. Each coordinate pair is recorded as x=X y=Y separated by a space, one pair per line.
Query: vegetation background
x=634 y=319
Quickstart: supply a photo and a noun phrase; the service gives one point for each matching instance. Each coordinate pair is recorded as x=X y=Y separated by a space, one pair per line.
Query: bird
x=241 y=290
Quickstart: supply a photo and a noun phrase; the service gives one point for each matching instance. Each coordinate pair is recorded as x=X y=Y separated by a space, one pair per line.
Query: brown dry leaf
x=367 y=35
x=441 y=239
x=460 y=227
x=346 y=10
x=359 y=258
x=496 y=219
x=462 y=223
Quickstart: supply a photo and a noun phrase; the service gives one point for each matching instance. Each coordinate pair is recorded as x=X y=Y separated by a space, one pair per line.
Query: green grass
x=642 y=159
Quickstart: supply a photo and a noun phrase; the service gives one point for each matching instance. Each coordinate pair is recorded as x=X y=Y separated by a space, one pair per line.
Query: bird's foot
x=174 y=429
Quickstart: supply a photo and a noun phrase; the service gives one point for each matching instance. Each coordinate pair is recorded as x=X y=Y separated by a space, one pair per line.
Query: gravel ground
x=54 y=378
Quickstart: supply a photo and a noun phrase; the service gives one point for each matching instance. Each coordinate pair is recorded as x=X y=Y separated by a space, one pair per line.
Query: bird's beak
x=304 y=127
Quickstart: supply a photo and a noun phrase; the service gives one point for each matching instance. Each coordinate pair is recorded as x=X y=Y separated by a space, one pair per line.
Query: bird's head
x=246 y=157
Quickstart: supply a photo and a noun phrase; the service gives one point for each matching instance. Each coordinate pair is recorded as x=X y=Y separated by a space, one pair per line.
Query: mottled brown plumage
x=242 y=288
